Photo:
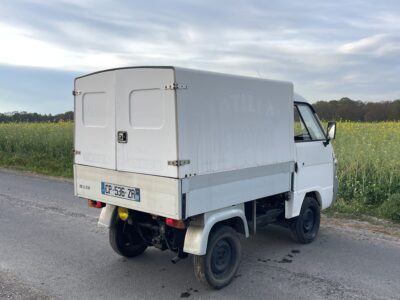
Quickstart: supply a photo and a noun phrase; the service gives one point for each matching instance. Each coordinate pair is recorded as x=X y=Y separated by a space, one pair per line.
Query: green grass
x=44 y=148
x=368 y=154
x=369 y=169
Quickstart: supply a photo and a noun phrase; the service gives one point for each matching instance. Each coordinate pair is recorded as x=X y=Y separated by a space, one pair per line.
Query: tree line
x=349 y=110
x=25 y=117
x=344 y=109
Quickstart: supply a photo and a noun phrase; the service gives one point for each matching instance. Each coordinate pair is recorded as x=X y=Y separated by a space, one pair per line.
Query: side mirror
x=331 y=130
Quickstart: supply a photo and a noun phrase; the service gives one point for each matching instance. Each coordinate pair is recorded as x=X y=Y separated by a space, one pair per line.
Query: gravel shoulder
x=377 y=228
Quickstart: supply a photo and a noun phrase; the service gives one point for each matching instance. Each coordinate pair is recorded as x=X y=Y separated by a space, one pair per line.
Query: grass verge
x=368 y=155
x=44 y=148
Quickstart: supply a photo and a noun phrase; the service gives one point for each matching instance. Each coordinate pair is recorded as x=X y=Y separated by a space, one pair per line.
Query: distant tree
x=350 y=110
x=394 y=110
x=376 y=112
x=35 y=117
x=343 y=109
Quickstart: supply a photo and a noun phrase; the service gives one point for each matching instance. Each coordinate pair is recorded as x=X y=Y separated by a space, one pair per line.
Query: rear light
x=95 y=204
x=179 y=224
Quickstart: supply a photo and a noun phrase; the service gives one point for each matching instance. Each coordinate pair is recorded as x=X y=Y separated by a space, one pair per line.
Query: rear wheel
x=305 y=227
x=125 y=240
x=218 y=267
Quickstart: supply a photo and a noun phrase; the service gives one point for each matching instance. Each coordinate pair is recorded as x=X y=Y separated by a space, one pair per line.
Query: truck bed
x=183 y=198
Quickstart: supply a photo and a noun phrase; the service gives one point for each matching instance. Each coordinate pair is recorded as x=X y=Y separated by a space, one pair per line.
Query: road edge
x=33 y=174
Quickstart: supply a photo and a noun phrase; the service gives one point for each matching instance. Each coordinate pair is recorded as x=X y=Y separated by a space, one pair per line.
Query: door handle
x=122 y=137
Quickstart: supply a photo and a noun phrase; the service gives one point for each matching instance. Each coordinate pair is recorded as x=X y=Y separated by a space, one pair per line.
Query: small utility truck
x=187 y=160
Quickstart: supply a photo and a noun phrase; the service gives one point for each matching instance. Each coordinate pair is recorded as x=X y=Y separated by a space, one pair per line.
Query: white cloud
x=321 y=46
x=21 y=48
x=379 y=44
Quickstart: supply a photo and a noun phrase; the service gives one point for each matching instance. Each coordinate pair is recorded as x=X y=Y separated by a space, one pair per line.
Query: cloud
x=379 y=44
x=21 y=47
x=178 y=32
x=327 y=48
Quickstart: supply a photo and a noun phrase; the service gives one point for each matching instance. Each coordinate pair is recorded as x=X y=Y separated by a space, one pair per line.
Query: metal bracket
x=175 y=86
x=178 y=163
x=76 y=93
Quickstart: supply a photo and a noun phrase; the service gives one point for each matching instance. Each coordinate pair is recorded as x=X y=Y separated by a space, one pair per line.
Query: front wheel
x=305 y=227
x=125 y=240
x=218 y=267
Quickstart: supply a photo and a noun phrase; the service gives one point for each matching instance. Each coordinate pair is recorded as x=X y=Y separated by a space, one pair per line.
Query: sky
x=328 y=49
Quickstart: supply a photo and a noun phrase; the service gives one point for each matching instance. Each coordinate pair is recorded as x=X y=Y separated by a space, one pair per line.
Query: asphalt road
x=51 y=247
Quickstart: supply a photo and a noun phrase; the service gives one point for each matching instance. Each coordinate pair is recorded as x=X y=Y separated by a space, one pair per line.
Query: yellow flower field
x=45 y=148
x=368 y=154
x=369 y=168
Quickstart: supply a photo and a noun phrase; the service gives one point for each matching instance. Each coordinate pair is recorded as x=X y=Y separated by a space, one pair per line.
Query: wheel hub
x=309 y=220
x=221 y=257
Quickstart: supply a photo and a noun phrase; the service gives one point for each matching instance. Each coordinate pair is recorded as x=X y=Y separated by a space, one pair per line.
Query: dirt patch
x=378 y=228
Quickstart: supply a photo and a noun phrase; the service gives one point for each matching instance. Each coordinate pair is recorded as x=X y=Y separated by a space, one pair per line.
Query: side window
x=310 y=128
x=300 y=131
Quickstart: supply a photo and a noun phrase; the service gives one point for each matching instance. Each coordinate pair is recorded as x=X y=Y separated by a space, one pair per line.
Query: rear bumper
x=158 y=195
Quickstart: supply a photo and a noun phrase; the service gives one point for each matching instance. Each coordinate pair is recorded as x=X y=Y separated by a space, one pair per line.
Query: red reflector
x=100 y=204
x=175 y=223
x=96 y=204
x=170 y=222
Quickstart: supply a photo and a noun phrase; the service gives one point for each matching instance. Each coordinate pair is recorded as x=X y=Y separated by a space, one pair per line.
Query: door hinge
x=76 y=93
x=175 y=86
x=178 y=163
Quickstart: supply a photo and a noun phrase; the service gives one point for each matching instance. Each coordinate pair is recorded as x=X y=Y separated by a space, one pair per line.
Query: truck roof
x=181 y=68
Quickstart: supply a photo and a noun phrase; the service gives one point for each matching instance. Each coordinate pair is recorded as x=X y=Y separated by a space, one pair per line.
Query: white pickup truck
x=187 y=160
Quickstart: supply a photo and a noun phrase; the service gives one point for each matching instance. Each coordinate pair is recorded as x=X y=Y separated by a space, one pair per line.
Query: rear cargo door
x=95 y=120
x=146 y=121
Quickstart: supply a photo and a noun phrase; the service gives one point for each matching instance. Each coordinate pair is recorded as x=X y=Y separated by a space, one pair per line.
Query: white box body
x=235 y=132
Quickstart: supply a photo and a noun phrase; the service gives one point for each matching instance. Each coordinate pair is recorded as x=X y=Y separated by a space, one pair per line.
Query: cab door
x=314 y=158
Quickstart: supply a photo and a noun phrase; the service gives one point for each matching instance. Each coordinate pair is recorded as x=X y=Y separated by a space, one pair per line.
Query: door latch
x=122 y=137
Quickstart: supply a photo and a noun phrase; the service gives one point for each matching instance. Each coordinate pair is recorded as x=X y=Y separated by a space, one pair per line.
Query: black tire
x=125 y=240
x=218 y=267
x=305 y=227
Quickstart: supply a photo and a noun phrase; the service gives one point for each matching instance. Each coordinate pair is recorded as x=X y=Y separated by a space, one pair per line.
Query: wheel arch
x=293 y=206
x=316 y=195
x=235 y=222
x=196 y=238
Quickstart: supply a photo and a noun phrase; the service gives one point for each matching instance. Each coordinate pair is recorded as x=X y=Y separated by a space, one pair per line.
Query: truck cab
x=187 y=160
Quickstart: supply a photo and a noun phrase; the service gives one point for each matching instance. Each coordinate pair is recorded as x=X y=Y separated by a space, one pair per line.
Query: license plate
x=120 y=191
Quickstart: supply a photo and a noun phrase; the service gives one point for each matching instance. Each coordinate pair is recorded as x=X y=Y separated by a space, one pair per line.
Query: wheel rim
x=309 y=220
x=222 y=256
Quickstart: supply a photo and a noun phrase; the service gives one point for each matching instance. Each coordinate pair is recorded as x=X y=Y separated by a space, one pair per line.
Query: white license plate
x=120 y=191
